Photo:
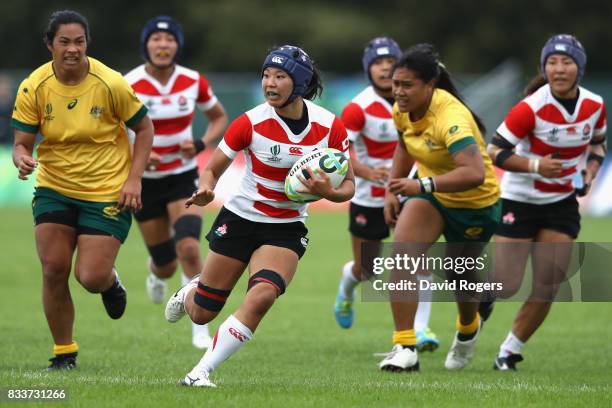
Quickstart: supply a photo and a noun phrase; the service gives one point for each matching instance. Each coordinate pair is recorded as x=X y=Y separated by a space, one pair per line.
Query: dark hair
x=534 y=84
x=315 y=87
x=62 y=17
x=424 y=61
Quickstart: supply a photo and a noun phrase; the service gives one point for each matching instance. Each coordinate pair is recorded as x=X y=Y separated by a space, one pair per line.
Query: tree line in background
x=233 y=35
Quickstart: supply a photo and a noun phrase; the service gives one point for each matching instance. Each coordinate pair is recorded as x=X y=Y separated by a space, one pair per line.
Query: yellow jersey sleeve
x=25 y=112
x=127 y=105
x=457 y=129
x=399 y=124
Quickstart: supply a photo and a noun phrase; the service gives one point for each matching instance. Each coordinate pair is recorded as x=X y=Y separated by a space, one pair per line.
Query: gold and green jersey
x=84 y=152
x=447 y=127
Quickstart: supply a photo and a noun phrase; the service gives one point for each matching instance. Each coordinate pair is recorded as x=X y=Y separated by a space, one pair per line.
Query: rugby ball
x=330 y=161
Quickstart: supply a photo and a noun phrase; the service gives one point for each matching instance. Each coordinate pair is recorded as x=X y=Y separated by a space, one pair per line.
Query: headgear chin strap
x=161 y=23
x=297 y=64
x=567 y=45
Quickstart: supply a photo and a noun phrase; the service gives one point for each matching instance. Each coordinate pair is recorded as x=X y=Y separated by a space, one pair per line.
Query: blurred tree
x=233 y=35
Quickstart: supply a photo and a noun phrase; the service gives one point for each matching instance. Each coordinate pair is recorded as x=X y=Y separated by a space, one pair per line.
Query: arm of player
x=402 y=163
x=23 y=147
x=217 y=121
x=469 y=171
x=209 y=177
x=373 y=174
x=596 y=153
x=130 y=196
x=501 y=152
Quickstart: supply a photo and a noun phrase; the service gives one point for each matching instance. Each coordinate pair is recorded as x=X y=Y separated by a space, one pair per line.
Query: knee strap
x=188 y=226
x=269 y=277
x=209 y=298
x=164 y=253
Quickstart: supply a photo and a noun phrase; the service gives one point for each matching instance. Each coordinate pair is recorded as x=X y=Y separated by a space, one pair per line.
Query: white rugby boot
x=175 y=308
x=461 y=352
x=400 y=359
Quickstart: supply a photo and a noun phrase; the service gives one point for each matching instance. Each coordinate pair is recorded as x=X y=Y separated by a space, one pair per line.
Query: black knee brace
x=269 y=277
x=164 y=253
x=211 y=299
x=188 y=226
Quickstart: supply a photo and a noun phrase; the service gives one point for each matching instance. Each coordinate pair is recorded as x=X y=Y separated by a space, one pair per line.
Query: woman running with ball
x=259 y=226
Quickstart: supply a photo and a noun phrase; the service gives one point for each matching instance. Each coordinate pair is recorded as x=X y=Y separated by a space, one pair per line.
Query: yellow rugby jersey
x=85 y=152
x=447 y=127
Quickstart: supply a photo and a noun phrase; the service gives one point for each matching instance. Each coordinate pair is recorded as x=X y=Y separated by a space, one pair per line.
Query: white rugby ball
x=330 y=161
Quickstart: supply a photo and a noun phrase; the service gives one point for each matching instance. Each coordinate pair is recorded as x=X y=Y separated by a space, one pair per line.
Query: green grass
x=299 y=357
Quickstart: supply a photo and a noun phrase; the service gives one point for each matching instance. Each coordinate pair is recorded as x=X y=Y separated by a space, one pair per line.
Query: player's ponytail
x=62 y=17
x=534 y=84
x=424 y=61
x=315 y=87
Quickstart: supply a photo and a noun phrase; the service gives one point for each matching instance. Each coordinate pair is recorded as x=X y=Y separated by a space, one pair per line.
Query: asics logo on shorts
x=237 y=334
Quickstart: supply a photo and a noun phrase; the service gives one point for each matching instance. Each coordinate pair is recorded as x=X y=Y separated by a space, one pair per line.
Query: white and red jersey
x=171 y=107
x=271 y=149
x=369 y=123
x=539 y=125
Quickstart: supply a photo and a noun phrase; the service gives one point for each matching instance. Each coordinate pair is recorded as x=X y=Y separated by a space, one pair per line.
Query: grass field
x=298 y=357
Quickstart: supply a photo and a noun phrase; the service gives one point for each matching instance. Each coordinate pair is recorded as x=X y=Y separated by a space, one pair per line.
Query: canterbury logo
x=72 y=103
x=277 y=60
x=295 y=150
x=237 y=335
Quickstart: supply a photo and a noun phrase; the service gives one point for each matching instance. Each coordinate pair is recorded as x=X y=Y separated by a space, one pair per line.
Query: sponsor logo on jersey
x=96 y=112
x=275 y=151
x=454 y=129
x=72 y=104
x=384 y=127
x=552 y=137
x=295 y=151
x=586 y=130
x=182 y=103
x=48 y=111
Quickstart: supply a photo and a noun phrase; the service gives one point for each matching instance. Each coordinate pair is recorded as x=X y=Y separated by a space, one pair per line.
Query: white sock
x=230 y=338
x=199 y=330
x=348 y=282
x=421 y=319
x=512 y=345
x=184 y=279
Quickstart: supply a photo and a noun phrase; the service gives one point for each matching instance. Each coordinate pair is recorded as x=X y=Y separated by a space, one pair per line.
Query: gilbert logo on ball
x=330 y=161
